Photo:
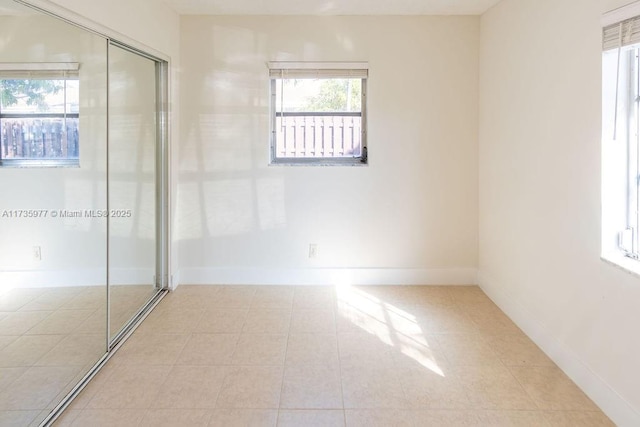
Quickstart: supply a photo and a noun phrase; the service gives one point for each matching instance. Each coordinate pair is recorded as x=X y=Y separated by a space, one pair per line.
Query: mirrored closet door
x=82 y=217
x=133 y=136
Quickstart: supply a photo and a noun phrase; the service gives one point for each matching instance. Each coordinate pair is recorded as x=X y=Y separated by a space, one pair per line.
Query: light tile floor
x=49 y=339
x=323 y=356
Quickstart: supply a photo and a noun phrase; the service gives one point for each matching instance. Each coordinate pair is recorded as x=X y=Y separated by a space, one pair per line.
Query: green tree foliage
x=337 y=95
x=32 y=92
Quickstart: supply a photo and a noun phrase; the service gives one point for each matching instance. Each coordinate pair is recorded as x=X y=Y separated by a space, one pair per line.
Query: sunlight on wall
x=390 y=324
x=228 y=207
x=190 y=163
x=220 y=132
x=271 y=211
x=394 y=213
x=190 y=212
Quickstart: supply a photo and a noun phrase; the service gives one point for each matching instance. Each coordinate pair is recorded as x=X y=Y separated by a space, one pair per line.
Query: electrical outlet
x=37 y=253
x=313 y=250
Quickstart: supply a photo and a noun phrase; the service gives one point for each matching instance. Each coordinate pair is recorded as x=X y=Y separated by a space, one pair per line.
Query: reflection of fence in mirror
x=132 y=178
x=53 y=269
x=40 y=138
x=39 y=107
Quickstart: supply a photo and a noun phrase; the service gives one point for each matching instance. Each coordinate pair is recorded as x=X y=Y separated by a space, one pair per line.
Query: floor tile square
x=314 y=321
x=311 y=387
x=267 y=321
x=312 y=349
x=195 y=387
x=254 y=387
x=208 y=349
x=260 y=349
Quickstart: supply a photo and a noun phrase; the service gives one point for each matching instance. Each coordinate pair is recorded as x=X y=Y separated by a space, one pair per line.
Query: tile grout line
x=336 y=313
x=284 y=361
x=501 y=363
x=228 y=368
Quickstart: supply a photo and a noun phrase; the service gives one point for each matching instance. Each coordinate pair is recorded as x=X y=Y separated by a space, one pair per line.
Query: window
x=318 y=113
x=39 y=114
x=621 y=143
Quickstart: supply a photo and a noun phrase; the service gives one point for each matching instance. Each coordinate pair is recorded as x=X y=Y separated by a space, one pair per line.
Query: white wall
x=146 y=22
x=408 y=217
x=540 y=114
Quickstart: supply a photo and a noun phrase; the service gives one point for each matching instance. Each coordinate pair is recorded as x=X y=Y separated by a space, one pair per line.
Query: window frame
x=40 y=71
x=315 y=70
x=620 y=147
x=629 y=238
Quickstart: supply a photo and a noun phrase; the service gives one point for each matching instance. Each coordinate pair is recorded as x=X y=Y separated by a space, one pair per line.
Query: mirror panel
x=53 y=245
x=132 y=184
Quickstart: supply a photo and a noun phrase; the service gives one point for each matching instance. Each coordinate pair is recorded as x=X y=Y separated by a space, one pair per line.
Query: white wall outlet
x=313 y=250
x=37 y=253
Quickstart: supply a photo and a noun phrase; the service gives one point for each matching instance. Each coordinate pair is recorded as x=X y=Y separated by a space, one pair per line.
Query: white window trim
x=318 y=65
x=612 y=204
x=624 y=263
x=621 y=14
x=39 y=66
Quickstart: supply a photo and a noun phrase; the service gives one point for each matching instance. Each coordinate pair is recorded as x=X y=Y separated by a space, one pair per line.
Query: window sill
x=357 y=162
x=629 y=265
x=32 y=163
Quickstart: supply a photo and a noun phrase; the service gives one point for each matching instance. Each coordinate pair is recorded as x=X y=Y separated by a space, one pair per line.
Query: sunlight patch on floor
x=392 y=325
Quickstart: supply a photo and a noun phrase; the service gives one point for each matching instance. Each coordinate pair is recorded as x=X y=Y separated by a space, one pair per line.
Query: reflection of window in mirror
x=39 y=114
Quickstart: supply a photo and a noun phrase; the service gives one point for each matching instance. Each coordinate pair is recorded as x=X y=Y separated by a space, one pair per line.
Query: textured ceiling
x=330 y=7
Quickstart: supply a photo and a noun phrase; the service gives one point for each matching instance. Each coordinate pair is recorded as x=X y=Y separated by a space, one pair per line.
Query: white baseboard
x=75 y=277
x=326 y=276
x=174 y=280
x=615 y=406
